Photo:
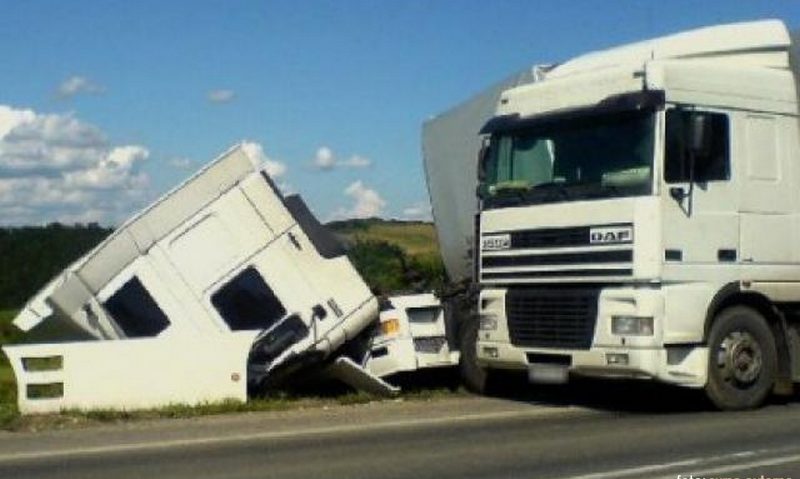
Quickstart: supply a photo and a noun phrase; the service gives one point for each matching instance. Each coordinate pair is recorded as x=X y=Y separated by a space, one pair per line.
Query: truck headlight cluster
x=488 y=323
x=632 y=325
x=390 y=327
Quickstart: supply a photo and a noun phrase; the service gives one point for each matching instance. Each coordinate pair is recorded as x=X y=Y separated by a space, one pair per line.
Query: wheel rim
x=740 y=359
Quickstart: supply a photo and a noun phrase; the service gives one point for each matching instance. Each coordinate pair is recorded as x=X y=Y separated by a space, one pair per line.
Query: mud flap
x=346 y=370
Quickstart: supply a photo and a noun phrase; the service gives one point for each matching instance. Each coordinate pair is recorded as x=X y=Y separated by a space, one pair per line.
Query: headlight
x=488 y=323
x=632 y=325
x=390 y=326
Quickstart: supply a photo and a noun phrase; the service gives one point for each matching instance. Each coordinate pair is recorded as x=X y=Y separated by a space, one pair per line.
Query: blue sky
x=347 y=83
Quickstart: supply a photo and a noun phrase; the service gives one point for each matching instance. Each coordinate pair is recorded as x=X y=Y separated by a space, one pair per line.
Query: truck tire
x=475 y=377
x=742 y=359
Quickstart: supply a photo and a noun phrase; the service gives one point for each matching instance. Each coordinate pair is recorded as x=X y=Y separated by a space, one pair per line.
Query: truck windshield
x=588 y=157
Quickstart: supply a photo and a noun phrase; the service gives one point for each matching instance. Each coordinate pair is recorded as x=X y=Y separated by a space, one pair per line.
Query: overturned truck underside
x=221 y=287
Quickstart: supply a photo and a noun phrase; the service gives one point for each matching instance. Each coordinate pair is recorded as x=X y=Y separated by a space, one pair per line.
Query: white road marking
x=632 y=471
x=202 y=441
x=775 y=461
x=696 y=465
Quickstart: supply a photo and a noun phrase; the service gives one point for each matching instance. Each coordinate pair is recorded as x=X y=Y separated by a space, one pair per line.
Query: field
x=393 y=256
x=415 y=238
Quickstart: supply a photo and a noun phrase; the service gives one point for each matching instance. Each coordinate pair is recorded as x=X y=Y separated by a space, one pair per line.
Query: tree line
x=32 y=255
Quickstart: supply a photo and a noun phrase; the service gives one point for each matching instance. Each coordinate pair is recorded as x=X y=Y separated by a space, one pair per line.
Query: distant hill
x=417 y=238
x=393 y=255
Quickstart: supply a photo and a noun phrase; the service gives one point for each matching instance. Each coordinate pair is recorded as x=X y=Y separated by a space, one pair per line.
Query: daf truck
x=638 y=216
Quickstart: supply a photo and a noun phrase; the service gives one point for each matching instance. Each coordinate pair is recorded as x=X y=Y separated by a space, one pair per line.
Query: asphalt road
x=587 y=432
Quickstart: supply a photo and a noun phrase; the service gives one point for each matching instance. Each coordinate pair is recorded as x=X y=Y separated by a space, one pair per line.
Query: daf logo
x=496 y=242
x=614 y=234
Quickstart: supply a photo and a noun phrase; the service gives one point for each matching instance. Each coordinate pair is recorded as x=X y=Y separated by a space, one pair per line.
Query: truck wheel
x=473 y=376
x=742 y=359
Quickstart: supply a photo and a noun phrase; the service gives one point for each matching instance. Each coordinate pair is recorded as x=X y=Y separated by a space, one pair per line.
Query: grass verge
x=8 y=388
x=76 y=419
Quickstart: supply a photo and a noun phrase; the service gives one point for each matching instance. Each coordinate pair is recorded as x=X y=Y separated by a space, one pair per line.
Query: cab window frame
x=676 y=160
x=135 y=312
x=247 y=302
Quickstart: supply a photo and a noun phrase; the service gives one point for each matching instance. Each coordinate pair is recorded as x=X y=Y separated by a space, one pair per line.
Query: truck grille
x=552 y=318
x=540 y=255
x=586 y=257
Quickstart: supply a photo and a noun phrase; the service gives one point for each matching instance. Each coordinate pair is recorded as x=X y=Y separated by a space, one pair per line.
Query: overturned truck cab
x=220 y=285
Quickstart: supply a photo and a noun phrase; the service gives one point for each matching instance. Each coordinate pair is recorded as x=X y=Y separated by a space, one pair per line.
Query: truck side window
x=714 y=167
x=135 y=311
x=246 y=302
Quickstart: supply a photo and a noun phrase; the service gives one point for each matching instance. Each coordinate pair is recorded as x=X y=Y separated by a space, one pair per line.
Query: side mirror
x=699 y=134
x=677 y=193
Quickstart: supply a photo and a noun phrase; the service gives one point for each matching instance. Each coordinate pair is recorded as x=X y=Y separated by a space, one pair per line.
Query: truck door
x=701 y=223
x=766 y=196
x=227 y=258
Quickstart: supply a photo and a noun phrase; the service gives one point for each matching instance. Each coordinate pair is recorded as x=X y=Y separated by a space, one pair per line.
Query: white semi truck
x=639 y=216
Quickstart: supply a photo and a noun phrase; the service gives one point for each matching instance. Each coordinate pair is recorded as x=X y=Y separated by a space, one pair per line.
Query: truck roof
x=762 y=43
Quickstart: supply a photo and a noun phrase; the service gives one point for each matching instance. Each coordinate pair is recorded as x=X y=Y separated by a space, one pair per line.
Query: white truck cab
x=221 y=283
x=640 y=217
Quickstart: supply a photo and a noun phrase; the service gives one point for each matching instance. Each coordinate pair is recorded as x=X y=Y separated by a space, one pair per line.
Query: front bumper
x=684 y=366
x=396 y=355
x=672 y=353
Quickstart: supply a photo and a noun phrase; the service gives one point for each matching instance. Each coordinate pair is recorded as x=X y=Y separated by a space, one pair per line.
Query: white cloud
x=55 y=167
x=324 y=159
x=220 y=96
x=357 y=161
x=255 y=151
x=76 y=85
x=11 y=117
x=180 y=162
x=419 y=211
x=35 y=142
x=286 y=188
x=113 y=170
x=367 y=202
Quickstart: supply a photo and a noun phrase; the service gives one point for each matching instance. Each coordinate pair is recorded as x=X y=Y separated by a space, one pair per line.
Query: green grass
x=393 y=256
x=8 y=389
x=283 y=402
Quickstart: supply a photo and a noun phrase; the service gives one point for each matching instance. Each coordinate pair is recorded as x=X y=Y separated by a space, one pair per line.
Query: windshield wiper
x=509 y=190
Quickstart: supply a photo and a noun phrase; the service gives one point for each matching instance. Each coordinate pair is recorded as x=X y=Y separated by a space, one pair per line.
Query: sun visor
x=641 y=100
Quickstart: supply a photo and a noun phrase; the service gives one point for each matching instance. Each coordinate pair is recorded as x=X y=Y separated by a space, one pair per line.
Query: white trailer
x=640 y=217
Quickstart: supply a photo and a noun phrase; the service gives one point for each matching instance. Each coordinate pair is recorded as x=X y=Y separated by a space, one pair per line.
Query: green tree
x=31 y=256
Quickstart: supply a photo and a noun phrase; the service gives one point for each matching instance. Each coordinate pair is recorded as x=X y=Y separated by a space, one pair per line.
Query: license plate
x=548 y=373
